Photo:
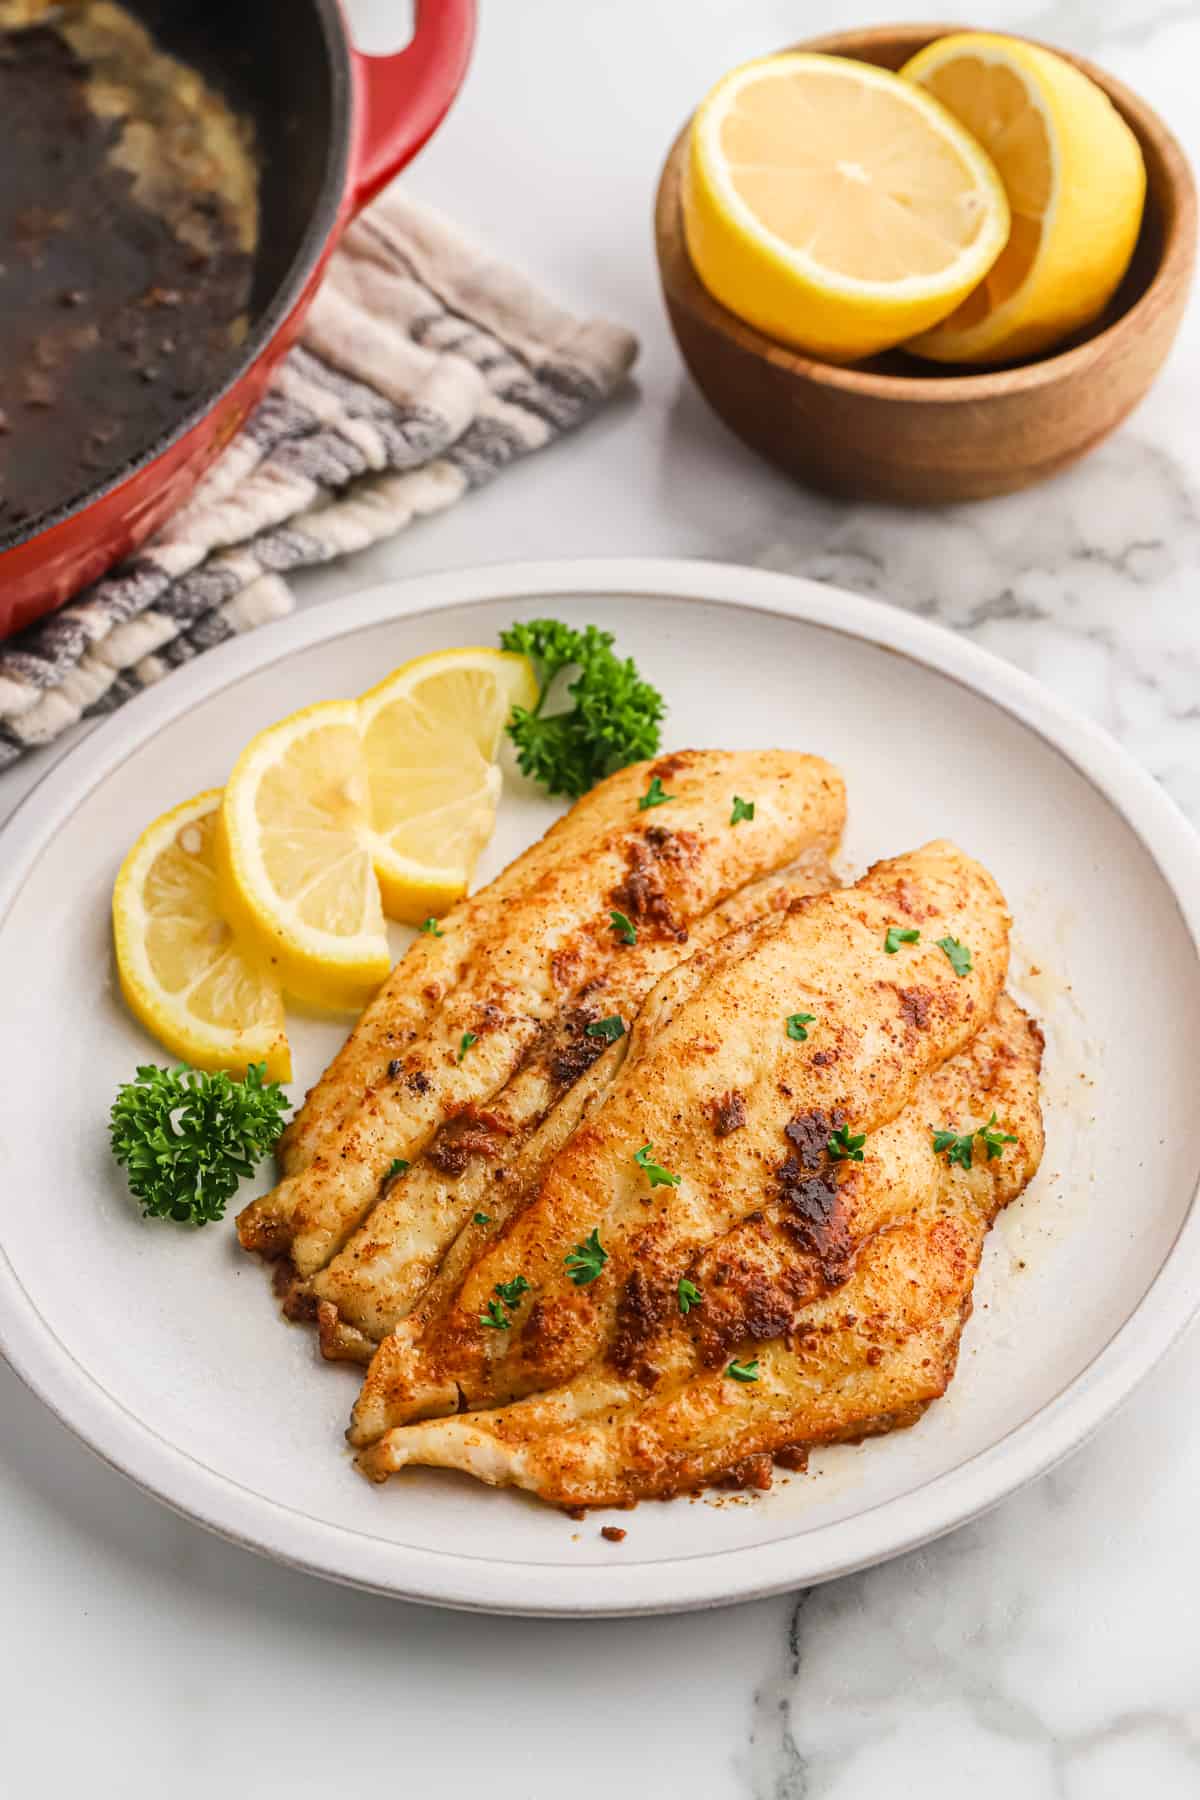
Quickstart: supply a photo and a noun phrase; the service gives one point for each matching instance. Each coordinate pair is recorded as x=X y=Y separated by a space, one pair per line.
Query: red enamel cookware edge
x=399 y=101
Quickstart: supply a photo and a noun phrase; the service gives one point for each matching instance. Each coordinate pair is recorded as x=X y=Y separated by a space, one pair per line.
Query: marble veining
x=1085 y=583
x=969 y=1656
x=1050 y=1650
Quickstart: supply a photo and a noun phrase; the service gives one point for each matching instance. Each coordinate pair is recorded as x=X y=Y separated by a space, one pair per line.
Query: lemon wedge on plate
x=835 y=206
x=353 y=807
x=1076 y=186
x=295 y=855
x=431 y=735
x=203 y=992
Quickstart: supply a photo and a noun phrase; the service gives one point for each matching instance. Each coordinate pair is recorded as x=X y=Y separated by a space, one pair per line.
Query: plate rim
x=489 y=1584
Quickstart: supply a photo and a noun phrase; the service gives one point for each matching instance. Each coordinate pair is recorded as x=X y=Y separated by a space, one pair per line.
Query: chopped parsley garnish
x=614 y=718
x=993 y=1139
x=625 y=928
x=654 y=796
x=742 y=809
x=960 y=956
x=844 y=1148
x=955 y=1148
x=468 y=1038
x=587 y=1259
x=656 y=1174
x=431 y=928
x=797 y=1025
x=895 y=937
x=482 y=1218
x=507 y=1295
x=743 y=1371
x=960 y=1148
x=187 y=1138
x=609 y=1029
x=689 y=1296
x=398 y=1167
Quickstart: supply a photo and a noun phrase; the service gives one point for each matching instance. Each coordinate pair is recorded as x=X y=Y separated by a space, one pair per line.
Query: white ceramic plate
x=162 y=1348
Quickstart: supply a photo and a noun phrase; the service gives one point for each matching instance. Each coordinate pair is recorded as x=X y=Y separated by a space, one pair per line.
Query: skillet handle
x=402 y=99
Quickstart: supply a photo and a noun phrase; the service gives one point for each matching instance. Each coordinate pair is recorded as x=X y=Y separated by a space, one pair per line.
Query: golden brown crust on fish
x=431 y=966
x=855 y=1069
x=855 y=1359
x=530 y=959
x=482 y=1164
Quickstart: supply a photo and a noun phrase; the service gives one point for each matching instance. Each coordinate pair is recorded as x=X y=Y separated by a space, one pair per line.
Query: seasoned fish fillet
x=469 y=1180
x=531 y=958
x=846 y=1296
x=814 y=1026
x=431 y=966
x=524 y=1177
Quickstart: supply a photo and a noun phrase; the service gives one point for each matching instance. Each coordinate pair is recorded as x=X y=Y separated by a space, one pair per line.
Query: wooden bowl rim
x=1178 y=249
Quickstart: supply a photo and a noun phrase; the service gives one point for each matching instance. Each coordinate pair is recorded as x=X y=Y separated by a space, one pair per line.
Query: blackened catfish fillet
x=482 y=1165
x=814 y=1033
x=845 y=1313
x=532 y=956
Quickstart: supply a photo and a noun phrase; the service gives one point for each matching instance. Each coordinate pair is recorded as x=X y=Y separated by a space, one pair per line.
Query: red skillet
x=332 y=126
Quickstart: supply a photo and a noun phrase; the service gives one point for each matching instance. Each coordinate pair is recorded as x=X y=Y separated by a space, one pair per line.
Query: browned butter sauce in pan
x=128 y=226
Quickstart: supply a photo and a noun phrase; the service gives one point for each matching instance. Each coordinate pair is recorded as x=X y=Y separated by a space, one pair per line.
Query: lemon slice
x=1076 y=186
x=200 y=990
x=431 y=735
x=356 y=805
x=835 y=206
x=295 y=855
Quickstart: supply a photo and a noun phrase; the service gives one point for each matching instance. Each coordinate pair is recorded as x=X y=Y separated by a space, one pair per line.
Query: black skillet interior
x=69 y=430
x=280 y=63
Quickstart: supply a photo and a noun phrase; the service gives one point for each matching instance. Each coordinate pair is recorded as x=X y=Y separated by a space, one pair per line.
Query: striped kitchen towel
x=425 y=368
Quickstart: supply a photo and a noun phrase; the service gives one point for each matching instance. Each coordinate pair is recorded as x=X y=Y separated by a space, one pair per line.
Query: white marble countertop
x=1051 y=1650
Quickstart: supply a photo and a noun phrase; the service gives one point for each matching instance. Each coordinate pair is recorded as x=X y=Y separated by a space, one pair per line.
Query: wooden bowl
x=897 y=429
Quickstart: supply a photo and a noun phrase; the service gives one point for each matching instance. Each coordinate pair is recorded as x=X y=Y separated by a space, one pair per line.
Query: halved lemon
x=202 y=991
x=1076 y=186
x=295 y=855
x=836 y=207
x=431 y=734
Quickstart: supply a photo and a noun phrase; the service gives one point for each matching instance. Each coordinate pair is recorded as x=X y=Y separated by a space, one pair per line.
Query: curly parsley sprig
x=187 y=1138
x=614 y=720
